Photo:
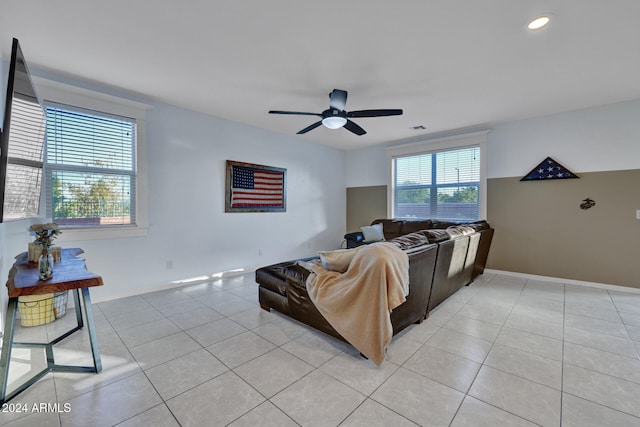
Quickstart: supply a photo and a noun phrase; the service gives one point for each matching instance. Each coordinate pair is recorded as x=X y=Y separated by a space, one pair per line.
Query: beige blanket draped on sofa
x=358 y=302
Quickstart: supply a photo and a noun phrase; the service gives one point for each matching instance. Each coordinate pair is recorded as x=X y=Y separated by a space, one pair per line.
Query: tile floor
x=503 y=351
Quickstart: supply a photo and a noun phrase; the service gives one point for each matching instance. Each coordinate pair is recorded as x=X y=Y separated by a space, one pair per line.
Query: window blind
x=90 y=167
x=24 y=162
x=442 y=185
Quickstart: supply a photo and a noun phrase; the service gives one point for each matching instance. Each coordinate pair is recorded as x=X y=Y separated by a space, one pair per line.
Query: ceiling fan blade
x=374 y=113
x=295 y=112
x=354 y=128
x=338 y=99
x=308 y=128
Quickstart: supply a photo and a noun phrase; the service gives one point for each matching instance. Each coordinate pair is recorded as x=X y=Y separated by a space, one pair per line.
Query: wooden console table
x=70 y=274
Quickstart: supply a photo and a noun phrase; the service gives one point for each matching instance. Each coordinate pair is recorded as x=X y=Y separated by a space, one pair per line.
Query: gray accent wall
x=364 y=204
x=541 y=228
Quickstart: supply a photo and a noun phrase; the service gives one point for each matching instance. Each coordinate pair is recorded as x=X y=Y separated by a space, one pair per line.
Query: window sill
x=92 y=233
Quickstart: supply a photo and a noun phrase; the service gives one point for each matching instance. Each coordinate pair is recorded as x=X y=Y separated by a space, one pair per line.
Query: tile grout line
x=483 y=364
x=626 y=327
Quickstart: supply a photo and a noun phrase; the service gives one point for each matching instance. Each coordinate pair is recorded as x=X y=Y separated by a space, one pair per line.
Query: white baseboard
x=565 y=281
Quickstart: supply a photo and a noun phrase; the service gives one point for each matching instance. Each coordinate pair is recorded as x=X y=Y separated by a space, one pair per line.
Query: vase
x=45 y=264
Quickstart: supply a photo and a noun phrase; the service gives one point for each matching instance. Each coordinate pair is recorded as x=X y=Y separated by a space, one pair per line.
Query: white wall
x=367 y=167
x=186 y=154
x=595 y=139
x=604 y=138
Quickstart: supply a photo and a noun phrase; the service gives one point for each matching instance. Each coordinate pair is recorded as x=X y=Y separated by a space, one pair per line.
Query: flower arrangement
x=45 y=233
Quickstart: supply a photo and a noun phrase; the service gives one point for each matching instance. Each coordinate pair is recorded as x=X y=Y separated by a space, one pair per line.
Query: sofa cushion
x=436 y=235
x=338 y=260
x=479 y=225
x=410 y=240
x=454 y=232
x=460 y=230
x=390 y=227
x=373 y=233
x=272 y=277
x=412 y=226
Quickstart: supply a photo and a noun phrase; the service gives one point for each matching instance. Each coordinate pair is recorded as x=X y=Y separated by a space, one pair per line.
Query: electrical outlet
x=169 y=265
x=259 y=252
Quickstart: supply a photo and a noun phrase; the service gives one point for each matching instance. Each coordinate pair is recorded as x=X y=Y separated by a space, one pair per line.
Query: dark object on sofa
x=283 y=287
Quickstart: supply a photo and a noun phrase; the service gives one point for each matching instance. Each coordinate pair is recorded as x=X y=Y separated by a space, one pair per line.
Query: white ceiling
x=449 y=64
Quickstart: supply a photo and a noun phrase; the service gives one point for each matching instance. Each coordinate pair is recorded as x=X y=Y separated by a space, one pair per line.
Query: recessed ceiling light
x=539 y=22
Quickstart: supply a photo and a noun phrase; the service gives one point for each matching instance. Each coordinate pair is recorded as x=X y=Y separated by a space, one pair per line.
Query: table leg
x=7 y=343
x=97 y=361
x=76 y=301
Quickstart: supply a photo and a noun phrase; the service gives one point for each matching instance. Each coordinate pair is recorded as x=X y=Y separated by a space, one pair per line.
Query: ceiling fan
x=336 y=117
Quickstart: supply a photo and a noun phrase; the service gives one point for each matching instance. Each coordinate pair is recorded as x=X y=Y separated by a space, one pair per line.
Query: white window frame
x=52 y=91
x=478 y=139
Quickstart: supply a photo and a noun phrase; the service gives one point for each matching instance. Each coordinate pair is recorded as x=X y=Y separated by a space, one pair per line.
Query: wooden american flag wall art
x=255 y=188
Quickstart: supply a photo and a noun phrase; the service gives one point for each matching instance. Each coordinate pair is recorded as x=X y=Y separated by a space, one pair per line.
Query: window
x=116 y=170
x=90 y=168
x=440 y=179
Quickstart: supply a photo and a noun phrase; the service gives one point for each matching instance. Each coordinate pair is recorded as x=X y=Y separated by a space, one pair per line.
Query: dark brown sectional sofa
x=443 y=257
x=462 y=255
x=283 y=288
x=398 y=227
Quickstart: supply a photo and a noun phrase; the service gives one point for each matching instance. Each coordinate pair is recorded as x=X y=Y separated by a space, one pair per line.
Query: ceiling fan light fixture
x=539 y=22
x=334 y=122
x=335 y=116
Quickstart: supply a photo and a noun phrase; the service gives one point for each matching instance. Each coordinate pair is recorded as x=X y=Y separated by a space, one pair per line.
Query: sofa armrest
x=296 y=275
x=354 y=239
